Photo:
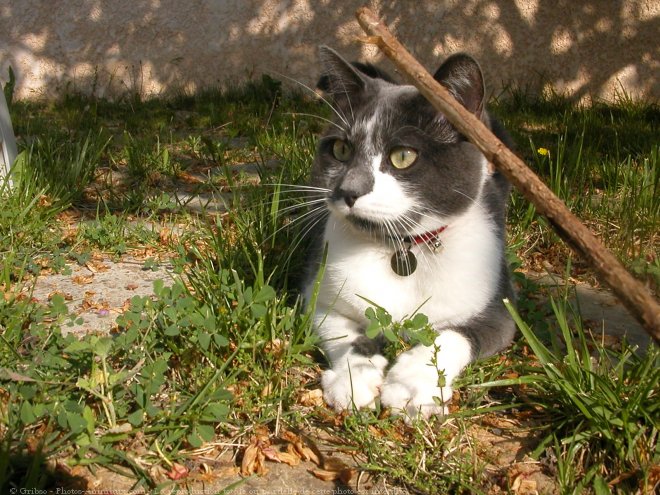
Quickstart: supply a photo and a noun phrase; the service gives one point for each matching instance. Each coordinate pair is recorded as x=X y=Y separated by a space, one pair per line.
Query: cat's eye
x=402 y=157
x=341 y=150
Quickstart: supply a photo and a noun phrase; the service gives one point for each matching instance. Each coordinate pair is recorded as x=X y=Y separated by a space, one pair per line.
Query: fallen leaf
x=307 y=451
x=65 y=295
x=334 y=464
x=311 y=398
x=312 y=455
x=82 y=280
x=654 y=477
x=275 y=346
x=249 y=460
x=271 y=454
x=522 y=486
x=254 y=458
x=345 y=475
x=267 y=390
x=121 y=428
x=177 y=472
x=289 y=458
x=324 y=475
x=210 y=474
x=7 y=374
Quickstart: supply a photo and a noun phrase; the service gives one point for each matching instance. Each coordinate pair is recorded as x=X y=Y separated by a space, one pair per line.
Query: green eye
x=402 y=157
x=341 y=150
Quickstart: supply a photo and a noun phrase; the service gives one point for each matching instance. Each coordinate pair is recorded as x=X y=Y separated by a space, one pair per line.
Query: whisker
x=306 y=204
x=312 y=223
x=311 y=213
x=323 y=119
x=413 y=225
x=297 y=186
x=430 y=214
x=474 y=201
x=325 y=100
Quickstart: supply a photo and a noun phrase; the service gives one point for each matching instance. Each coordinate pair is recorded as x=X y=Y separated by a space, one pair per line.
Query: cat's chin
x=371 y=228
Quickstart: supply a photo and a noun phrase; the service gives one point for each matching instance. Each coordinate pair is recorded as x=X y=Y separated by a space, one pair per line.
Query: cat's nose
x=356 y=183
x=350 y=199
x=349 y=194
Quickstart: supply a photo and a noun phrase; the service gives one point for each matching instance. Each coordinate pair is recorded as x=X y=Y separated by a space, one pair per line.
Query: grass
x=224 y=352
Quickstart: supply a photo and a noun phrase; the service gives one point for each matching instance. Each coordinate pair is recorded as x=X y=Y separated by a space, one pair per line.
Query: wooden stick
x=630 y=291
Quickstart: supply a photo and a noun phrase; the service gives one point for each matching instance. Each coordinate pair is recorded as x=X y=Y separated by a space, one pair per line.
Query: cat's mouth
x=378 y=228
x=380 y=223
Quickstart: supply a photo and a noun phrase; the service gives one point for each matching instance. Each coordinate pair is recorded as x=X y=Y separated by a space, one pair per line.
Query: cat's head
x=391 y=162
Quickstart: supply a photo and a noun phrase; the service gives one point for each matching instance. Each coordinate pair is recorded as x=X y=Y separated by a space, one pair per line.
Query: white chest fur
x=451 y=285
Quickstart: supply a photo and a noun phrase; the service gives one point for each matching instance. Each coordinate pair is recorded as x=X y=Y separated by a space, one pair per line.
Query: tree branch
x=629 y=290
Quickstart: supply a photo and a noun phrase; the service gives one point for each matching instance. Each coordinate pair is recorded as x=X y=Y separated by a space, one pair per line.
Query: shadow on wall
x=586 y=48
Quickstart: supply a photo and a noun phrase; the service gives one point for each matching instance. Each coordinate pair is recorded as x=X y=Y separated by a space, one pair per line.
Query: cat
x=414 y=219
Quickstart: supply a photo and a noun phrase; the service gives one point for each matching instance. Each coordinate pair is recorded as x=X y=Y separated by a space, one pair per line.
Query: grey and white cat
x=415 y=220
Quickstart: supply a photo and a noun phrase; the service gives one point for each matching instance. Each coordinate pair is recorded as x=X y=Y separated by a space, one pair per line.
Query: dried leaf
x=226 y=471
x=254 y=457
x=275 y=346
x=311 y=398
x=82 y=280
x=165 y=235
x=324 y=475
x=375 y=432
x=289 y=458
x=7 y=374
x=290 y=437
x=248 y=465
x=345 y=475
x=522 y=486
x=334 y=464
x=312 y=455
x=271 y=454
x=66 y=296
x=177 y=472
x=267 y=390
x=306 y=450
x=121 y=428
x=260 y=465
x=210 y=474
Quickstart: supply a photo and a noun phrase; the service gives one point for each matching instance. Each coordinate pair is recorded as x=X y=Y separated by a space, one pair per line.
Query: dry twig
x=629 y=290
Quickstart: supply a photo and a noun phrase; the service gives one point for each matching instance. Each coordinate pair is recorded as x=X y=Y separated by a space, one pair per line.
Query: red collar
x=426 y=237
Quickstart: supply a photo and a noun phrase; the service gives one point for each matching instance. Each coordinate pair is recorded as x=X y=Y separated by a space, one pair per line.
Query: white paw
x=412 y=390
x=356 y=384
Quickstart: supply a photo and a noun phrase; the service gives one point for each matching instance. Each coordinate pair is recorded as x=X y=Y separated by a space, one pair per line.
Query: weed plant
x=226 y=346
x=601 y=406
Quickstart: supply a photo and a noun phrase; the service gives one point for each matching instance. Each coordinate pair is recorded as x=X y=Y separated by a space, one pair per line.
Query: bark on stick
x=634 y=295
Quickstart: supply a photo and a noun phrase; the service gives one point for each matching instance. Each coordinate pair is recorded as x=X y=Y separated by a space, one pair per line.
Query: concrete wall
x=586 y=48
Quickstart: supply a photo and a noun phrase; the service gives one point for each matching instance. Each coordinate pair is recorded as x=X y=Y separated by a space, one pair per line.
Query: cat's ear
x=339 y=78
x=462 y=76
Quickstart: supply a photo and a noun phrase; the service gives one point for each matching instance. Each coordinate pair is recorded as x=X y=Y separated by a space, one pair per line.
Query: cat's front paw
x=412 y=391
x=355 y=385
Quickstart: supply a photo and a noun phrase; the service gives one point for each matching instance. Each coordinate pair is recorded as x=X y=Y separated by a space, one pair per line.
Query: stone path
x=601 y=311
x=98 y=291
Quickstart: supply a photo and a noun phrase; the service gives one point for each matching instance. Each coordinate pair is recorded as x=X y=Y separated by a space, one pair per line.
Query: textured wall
x=586 y=48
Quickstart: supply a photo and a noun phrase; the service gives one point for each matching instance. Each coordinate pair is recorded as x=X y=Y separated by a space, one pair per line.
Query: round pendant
x=403 y=262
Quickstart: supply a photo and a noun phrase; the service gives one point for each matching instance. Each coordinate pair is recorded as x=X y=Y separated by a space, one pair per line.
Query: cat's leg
x=419 y=383
x=356 y=364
